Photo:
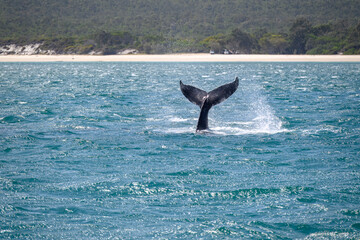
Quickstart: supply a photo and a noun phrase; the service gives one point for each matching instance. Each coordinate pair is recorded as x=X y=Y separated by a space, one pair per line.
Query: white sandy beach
x=201 y=57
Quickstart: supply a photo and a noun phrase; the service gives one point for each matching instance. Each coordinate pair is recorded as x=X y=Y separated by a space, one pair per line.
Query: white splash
x=258 y=117
x=265 y=121
x=178 y=119
x=179 y=130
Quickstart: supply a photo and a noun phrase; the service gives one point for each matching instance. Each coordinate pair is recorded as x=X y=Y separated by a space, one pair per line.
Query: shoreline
x=197 y=57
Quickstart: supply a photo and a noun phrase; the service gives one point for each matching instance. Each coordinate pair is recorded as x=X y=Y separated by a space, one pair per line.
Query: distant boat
x=226 y=51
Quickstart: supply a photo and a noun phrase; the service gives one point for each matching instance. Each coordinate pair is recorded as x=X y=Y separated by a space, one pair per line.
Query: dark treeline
x=170 y=26
x=301 y=38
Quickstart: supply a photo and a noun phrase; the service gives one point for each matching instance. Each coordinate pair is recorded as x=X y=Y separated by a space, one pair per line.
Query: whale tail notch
x=205 y=100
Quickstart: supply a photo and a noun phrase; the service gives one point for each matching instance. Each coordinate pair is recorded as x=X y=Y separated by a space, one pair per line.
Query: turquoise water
x=109 y=151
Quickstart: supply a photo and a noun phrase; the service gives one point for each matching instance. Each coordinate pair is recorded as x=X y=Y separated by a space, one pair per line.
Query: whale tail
x=205 y=100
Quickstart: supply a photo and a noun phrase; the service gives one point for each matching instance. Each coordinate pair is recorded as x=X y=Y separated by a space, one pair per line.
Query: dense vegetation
x=302 y=38
x=165 y=26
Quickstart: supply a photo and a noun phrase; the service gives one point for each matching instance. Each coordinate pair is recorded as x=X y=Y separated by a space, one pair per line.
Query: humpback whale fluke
x=206 y=100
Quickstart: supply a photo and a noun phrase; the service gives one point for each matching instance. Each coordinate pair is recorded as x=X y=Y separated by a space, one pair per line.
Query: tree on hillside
x=299 y=34
x=353 y=46
x=273 y=44
x=241 y=42
x=215 y=43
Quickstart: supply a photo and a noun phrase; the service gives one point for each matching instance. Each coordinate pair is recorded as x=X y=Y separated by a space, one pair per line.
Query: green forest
x=174 y=26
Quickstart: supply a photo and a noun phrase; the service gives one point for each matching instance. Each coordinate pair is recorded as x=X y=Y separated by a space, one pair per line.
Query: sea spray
x=254 y=114
x=265 y=121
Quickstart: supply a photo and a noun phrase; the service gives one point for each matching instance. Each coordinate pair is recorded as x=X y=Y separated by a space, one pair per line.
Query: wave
x=256 y=126
x=171 y=188
x=247 y=131
x=177 y=119
x=12 y=119
x=178 y=130
x=195 y=172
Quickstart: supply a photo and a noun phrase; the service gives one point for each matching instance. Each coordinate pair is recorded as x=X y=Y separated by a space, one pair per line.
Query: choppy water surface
x=109 y=150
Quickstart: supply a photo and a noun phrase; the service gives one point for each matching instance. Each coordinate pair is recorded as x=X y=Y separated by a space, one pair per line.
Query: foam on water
x=268 y=124
x=177 y=119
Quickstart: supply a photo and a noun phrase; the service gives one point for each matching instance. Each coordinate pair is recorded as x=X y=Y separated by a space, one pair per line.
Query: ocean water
x=109 y=151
